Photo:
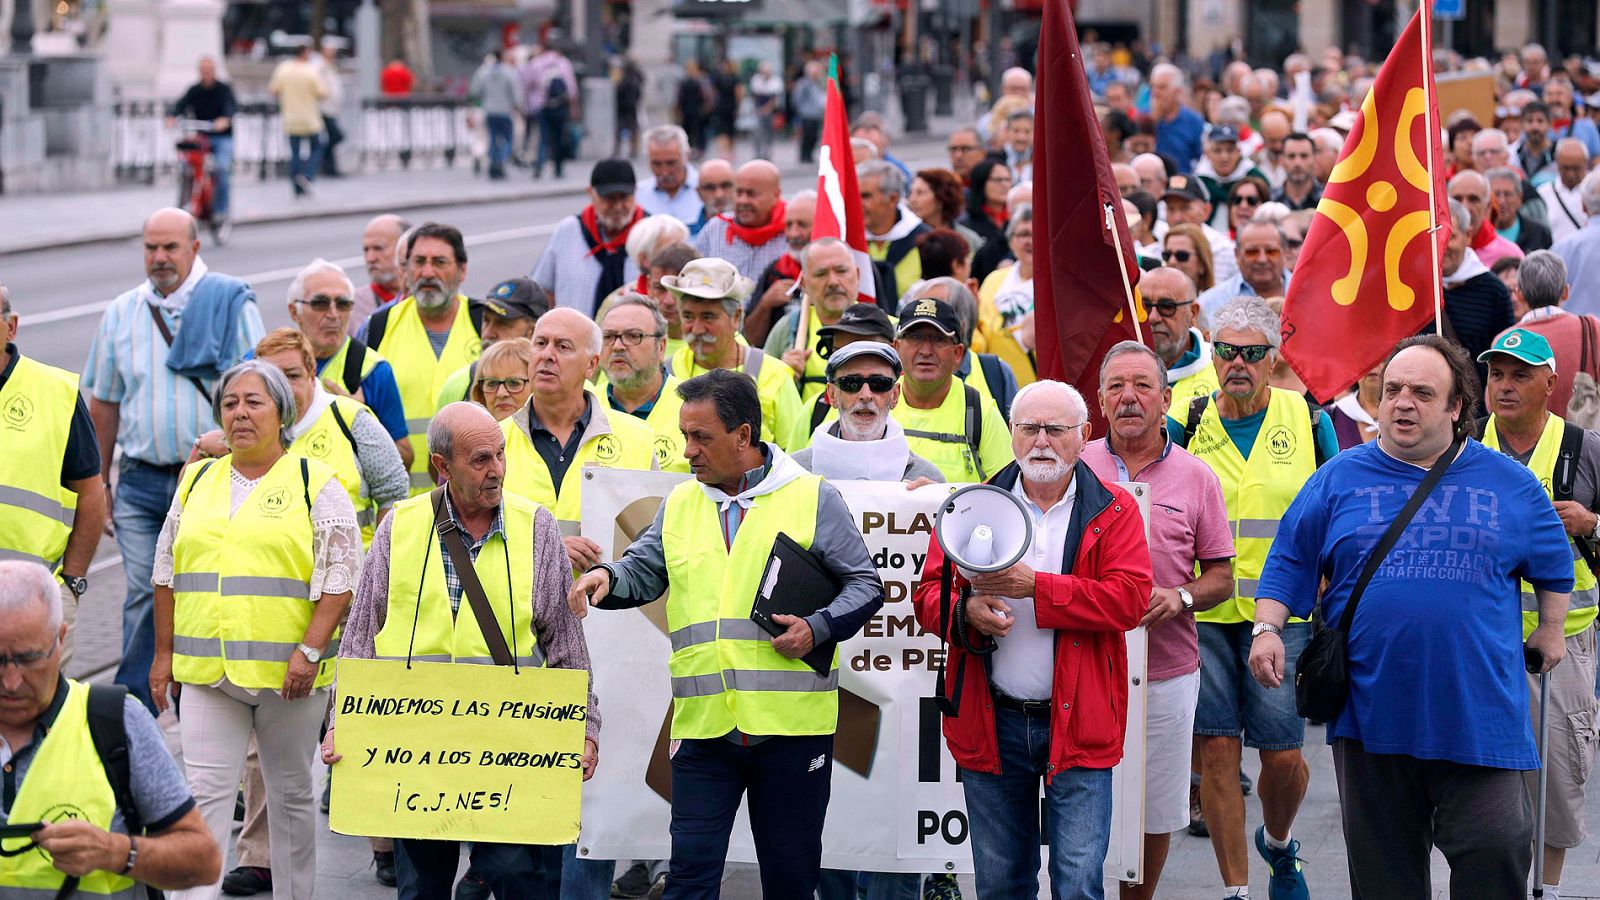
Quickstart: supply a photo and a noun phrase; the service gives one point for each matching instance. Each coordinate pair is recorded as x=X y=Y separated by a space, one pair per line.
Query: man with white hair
x=1562 y=198
x=1490 y=148
x=1329 y=142
x=865 y=442
x=673 y=185
x=830 y=281
x=1471 y=188
x=893 y=231
x=1542 y=287
x=1153 y=173
x=1047 y=709
x=1014 y=82
x=1475 y=300
x=1581 y=252
x=1178 y=128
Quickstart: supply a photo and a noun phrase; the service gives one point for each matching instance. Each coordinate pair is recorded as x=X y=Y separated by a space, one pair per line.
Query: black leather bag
x=1322 y=676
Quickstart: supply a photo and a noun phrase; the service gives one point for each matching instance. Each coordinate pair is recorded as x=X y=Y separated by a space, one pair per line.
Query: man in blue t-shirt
x=1431 y=744
x=1179 y=129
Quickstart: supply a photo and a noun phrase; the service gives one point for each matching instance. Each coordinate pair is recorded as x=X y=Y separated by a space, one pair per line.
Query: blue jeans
x=552 y=138
x=305 y=156
x=838 y=884
x=582 y=878
x=426 y=870
x=500 y=134
x=221 y=173
x=1003 y=811
x=1232 y=702
x=138 y=510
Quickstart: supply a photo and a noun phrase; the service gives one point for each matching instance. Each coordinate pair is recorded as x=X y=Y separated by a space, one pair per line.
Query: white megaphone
x=982 y=528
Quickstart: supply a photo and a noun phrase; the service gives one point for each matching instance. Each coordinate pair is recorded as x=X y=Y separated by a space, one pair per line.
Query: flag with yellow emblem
x=1368 y=274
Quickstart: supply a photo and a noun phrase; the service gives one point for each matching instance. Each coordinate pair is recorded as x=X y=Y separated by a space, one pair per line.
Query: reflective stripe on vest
x=1581 y=606
x=242 y=585
x=627 y=443
x=417 y=372
x=36 y=407
x=325 y=442
x=420 y=624
x=725 y=673
x=66 y=779
x=1257 y=491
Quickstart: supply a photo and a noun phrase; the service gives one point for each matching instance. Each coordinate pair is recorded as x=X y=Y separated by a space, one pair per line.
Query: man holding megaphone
x=1051 y=702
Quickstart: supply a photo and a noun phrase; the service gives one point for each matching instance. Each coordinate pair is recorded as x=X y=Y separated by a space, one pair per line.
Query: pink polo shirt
x=1188 y=522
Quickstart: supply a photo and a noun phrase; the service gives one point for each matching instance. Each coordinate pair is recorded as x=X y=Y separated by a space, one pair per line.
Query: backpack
x=1566 y=475
x=355 y=357
x=108 y=730
x=378 y=325
x=1197 y=408
x=556 y=93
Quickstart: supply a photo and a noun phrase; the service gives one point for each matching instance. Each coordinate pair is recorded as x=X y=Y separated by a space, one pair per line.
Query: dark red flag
x=1083 y=286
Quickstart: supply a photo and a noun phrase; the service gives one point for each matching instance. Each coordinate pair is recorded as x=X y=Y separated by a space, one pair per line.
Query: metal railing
x=398 y=132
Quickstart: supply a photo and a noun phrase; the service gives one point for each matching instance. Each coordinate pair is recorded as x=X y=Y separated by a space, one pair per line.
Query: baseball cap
x=858 y=349
x=1520 y=343
x=517 y=298
x=1222 y=134
x=1187 y=187
x=613 y=176
x=709 y=278
x=928 y=311
x=863 y=319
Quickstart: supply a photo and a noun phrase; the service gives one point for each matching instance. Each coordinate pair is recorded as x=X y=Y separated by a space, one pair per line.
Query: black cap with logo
x=929 y=311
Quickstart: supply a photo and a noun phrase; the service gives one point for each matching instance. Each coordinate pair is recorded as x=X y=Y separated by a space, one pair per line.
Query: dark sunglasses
x=321 y=302
x=1251 y=352
x=1182 y=256
x=1293 y=243
x=850 y=384
x=1248 y=199
x=1166 y=306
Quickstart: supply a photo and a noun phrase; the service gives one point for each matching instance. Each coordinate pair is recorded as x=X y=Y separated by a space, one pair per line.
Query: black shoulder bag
x=1322 y=677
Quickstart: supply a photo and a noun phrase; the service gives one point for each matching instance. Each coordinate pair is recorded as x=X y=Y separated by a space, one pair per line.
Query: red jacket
x=1091 y=609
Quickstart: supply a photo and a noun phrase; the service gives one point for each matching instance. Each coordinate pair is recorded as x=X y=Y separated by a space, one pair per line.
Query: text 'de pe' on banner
x=457 y=752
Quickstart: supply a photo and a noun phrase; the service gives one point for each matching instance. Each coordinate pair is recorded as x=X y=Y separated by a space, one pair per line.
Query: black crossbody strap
x=355 y=359
x=450 y=536
x=1566 y=475
x=1392 y=536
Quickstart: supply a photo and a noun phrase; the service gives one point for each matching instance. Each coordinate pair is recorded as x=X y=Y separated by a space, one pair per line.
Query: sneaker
x=942 y=886
x=1197 y=816
x=634 y=883
x=471 y=887
x=659 y=888
x=383 y=868
x=247 y=881
x=1288 y=881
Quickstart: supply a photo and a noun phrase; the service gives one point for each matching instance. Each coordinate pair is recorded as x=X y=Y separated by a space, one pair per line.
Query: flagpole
x=1437 y=287
x=1122 y=269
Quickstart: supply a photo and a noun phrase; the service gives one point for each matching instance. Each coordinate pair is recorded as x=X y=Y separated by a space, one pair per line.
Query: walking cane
x=1535 y=662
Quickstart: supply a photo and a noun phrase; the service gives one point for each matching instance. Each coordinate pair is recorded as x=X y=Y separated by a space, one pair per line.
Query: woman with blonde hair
x=1000 y=115
x=502 y=384
x=1186 y=249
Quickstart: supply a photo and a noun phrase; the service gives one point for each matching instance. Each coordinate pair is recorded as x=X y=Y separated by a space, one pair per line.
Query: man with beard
x=715 y=192
x=671 y=187
x=774 y=289
x=1261 y=273
x=863 y=381
x=830 y=282
x=633 y=375
x=670 y=261
x=510 y=311
x=892 y=230
x=427 y=335
x=710 y=295
x=1191 y=535
x=386 y=282
x=156 y=411
x=587 y=256
x=1300 y=188
x=1263 y=444
x=1168 y=297
x=1535 y=155
x=752 y=238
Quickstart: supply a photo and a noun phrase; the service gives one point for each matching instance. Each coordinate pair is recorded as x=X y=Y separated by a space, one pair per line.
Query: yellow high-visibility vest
x=662 y=420
x=36 y=512
x=419 y=374
x=783 y=418
x=615 y=442
x=328 y=441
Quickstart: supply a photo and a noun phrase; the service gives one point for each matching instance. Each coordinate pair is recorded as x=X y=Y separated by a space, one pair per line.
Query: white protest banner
x=896 y=805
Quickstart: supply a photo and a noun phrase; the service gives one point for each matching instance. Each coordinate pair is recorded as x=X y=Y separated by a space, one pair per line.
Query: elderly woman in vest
x=254 y=570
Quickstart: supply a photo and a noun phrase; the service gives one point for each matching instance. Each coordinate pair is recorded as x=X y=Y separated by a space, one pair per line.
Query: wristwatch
x=312 y=654
x=1262 y=627
x=1187 y=598
x=77 y=584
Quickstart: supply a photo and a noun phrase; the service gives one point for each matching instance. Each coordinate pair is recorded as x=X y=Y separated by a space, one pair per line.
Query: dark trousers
x=1397 y=808
x=332 y=137
x=501 y=133
x=426 y=870
x=552 y=138
x=788 y=779
x=810 y=132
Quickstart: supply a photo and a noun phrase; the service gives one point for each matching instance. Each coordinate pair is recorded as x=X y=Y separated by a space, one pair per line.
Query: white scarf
x=1198 y=363
x=837 y=459
x=782 y=471
x=320 y=401
x=1351 y=406
x=1471 y=267
x=902 y=226
x=178 y=299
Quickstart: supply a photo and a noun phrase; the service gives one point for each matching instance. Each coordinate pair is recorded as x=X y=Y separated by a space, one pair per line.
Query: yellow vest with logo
x=1257 y=491
x=334 y=367
x=420 y=624
x=951 y=452
x=1581 y=608
x=662 y=420
x=66 y=780
x=326 y=443
x=242 y=586
x=36 y=512
x=783 y=419
x=628 y=444
x=1202 y=382
x=419 y=374
x=725 y=673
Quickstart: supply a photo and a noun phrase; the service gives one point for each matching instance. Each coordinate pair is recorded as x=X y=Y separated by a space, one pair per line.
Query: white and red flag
x=838 y=199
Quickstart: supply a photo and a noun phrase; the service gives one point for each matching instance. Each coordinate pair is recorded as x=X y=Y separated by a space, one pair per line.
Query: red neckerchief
x=1560 y=124
x=1486 y=233
x=643 y=284
x=591 y=224
x=997 y=216
x=759 y=235
x=383 y=294
x=787 y=266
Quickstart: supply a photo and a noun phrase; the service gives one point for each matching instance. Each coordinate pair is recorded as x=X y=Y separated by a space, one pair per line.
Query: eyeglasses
x=1251 y=352
x=963 y=148
x=630 y=338
x=1166 y=306
x=1182 y=256
x=716 y=185
x=321 y=302
x=493 y=385
x=999 y=179
x=1248 y=199
x=1030 y=430
x=27 y=661
x=850 y=384
x=1293 y=243
x=927 y=337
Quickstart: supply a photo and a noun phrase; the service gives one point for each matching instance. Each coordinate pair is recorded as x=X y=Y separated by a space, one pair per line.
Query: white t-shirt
x=1024 y=664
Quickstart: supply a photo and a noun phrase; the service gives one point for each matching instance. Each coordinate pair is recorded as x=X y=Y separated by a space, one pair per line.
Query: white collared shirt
x=1024 y=666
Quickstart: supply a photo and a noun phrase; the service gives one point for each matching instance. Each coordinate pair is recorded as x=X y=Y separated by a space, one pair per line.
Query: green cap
x=1520 y=343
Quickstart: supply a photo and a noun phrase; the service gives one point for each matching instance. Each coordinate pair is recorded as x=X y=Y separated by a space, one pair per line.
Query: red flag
x=838 y=199
x=1083 y=288
x=1368 y=274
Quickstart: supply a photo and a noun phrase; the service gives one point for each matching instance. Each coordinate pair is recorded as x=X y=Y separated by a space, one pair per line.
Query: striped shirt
x=750 y=261
x=452 y=581
x=162 y=412
x=569 y=271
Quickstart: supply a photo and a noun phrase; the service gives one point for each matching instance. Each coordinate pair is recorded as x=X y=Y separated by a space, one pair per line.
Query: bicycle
x=197 y=178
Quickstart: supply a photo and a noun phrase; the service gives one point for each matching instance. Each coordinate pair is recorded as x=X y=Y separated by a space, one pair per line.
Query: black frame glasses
x=1166 y=306
x=629 y=338
x=852 y=384
x=490 y=386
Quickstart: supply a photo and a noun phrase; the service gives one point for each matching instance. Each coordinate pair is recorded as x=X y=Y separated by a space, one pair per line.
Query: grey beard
x=850 y=432
x=426 y=298
x=632 y=382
